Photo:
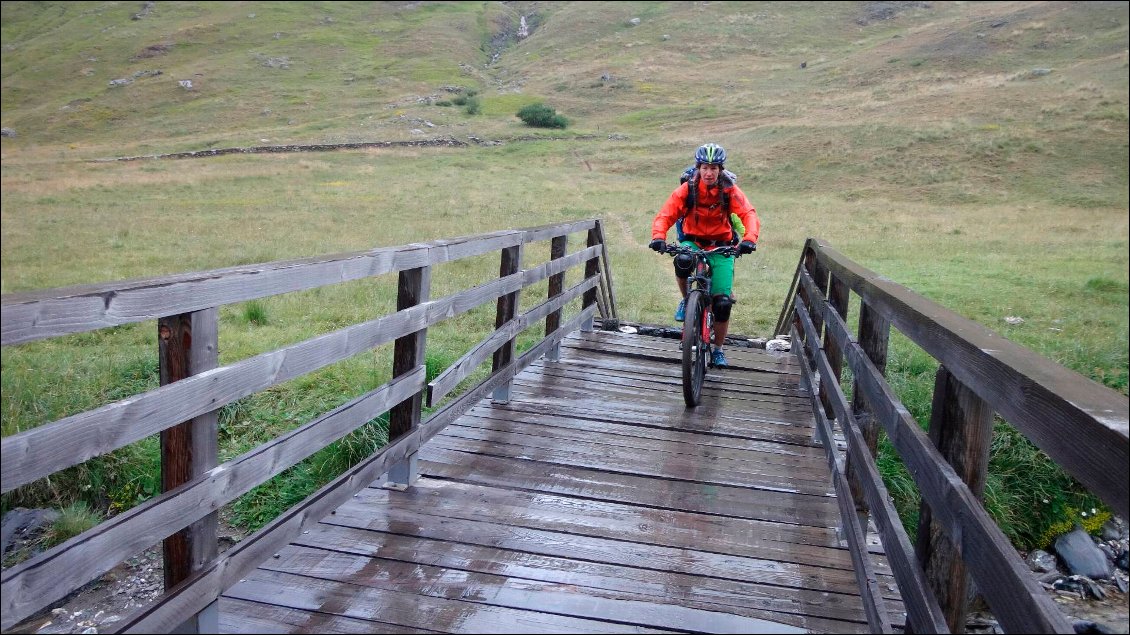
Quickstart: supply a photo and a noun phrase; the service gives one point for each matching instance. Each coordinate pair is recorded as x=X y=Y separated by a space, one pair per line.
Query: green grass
x=914 y=146
x=255 y=312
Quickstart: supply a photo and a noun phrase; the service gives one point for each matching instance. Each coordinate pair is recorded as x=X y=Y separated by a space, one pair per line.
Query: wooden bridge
x=571 y=490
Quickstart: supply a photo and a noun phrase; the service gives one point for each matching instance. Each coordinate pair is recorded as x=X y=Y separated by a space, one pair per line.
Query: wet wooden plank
x=406 y=608
x=614 y=340
x=664 y=377
x=599 y=348
x=570 y=597
x=761 y=504
x=738 y=361
x=791 y=408
x=629 y=553
x=549 y=427
x=596 y=496
x=799 y=544
x=552 y=549
x=664 y=383
x=533 y=582
x=669 y=393
x=562 y=427
x=668 y=350
x=707 y=418
x=707 y=470
x=720 y=429
x=725 y=534
x=713 y=412
x=583 y=366
x=243 y=616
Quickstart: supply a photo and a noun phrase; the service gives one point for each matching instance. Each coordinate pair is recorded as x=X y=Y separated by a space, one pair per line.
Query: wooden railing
x=194 y=387
x=1080 y=424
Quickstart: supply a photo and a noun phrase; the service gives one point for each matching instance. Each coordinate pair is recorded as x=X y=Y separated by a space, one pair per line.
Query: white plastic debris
x=1014 y=320
x=778 y=345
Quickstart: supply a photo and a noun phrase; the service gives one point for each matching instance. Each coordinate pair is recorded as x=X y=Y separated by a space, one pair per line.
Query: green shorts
x=721 y=271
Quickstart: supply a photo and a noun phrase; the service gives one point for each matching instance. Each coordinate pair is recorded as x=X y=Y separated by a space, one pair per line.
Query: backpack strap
x=692 y=197
x=690 y=177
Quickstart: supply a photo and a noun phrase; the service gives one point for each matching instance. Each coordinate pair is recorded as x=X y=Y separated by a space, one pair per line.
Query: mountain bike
x=698 y=325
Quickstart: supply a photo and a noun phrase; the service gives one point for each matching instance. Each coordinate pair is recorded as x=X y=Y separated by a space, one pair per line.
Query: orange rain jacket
x=707 y=221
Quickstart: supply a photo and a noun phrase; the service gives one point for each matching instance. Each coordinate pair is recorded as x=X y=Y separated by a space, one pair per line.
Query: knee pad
x=722 y=306
x=684 y=264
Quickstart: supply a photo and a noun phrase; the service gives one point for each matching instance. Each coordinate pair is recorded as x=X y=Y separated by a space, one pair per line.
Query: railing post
x=807 y=264
x=608 y=291
x=787 y=306
x=838 y=295
x=507 y=309
x=187 y=344
x=873 y=338
x=820 y=276
x=961 y=427
x=414 y=287
x=557 y=249
x=592 y=268
x=810 y=265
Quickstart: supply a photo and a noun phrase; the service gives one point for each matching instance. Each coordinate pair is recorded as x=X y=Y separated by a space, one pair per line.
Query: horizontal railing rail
x=193 y=398
x=921 y=605
x=207 y=584
x=979 y=373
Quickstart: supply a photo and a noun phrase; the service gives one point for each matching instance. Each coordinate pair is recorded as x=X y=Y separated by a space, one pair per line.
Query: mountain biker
x=707 y=226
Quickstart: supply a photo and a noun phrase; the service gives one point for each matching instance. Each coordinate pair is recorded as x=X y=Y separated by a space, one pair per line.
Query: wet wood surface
x=594 y=501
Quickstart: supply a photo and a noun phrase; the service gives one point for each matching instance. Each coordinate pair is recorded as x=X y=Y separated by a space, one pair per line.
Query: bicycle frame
x=699 y=282
x=698 y=326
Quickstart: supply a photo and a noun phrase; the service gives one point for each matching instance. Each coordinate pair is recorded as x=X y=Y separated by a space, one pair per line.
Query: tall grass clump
x=72 y=521
x=255 y=312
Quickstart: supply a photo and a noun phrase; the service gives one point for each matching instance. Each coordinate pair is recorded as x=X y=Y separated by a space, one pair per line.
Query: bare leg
x=682 y=282
x=720 y=330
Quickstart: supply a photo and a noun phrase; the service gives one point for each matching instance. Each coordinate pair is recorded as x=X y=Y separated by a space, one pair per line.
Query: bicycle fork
x=708 y=327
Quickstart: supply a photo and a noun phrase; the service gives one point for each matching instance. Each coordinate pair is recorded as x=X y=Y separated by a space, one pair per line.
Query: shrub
x=541 y=116
x=473 y=107
x=466 y=99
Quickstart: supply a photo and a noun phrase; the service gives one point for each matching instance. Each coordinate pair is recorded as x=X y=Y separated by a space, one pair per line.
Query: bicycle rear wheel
x=694 y=350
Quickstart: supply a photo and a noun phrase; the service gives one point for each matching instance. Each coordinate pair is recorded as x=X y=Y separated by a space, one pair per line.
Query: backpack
x=727 y=180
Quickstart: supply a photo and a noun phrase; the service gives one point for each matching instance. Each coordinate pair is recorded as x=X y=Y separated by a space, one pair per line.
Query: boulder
x=22 y=523
x=1040 y=561
x=1087 y=627
x=1080 y=555
x=1113 y=530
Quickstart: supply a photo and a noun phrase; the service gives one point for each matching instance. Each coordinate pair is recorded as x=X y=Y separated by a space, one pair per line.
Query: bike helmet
x=710 y=153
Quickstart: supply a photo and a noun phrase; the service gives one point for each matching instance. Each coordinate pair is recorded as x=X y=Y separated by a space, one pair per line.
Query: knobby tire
x=694 y=350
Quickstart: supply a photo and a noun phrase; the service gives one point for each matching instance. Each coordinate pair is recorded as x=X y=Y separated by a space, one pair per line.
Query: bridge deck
x=592 y=502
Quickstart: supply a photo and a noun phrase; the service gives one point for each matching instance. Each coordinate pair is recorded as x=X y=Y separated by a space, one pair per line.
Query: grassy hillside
x=975 y=152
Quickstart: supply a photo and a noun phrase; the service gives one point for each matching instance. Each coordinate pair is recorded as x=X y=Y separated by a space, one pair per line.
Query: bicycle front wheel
x=694 y=350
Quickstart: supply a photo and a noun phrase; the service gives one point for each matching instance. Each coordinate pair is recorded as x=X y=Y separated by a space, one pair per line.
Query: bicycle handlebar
x=676 y=249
